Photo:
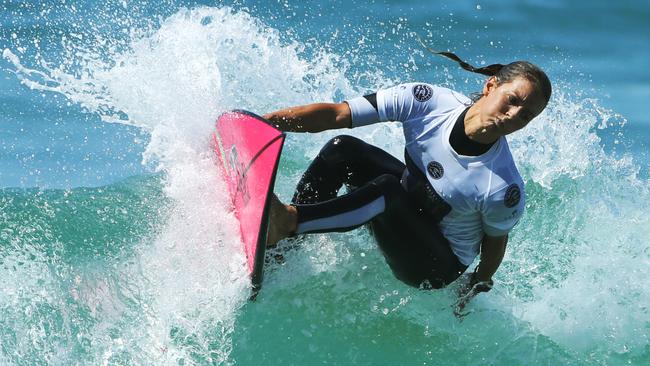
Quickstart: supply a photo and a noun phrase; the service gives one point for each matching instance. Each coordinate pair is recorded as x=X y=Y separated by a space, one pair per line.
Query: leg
x=413 y=246
x=344 y=160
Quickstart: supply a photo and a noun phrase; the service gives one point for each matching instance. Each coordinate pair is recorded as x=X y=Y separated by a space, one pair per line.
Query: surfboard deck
x=248 y=150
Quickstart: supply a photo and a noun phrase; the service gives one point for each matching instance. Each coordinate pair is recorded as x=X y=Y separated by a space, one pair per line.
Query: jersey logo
x=435 y=169
x=513 y=196
x=422 y=92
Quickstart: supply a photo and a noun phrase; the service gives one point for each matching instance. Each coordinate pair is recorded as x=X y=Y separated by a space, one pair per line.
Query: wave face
x=149 y=269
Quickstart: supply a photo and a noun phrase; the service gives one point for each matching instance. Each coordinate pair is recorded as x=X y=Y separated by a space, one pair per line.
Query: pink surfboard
x=248 y=148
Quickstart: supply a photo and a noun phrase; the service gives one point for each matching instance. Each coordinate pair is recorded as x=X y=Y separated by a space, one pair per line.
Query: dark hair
x=505 y=73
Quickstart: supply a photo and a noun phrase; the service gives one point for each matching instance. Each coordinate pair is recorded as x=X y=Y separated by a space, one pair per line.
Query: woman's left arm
x=492 y=250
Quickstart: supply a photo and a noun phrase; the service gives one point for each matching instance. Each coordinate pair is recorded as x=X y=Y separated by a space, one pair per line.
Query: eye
x=513 y=100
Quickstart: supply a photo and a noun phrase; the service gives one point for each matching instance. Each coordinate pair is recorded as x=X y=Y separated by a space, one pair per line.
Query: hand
x=469 y=287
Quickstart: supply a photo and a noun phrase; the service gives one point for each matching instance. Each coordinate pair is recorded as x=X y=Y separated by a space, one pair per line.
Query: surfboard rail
x=248 y=149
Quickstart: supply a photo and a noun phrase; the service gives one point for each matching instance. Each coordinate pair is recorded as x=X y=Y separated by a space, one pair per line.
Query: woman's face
x=510 y=106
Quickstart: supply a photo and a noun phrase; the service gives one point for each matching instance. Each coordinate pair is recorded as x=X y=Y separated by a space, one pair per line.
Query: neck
x=474 y=128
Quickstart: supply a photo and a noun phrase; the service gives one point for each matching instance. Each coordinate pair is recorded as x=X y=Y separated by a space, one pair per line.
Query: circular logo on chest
x=422 y=92
x=513 y=196
x=435 y=169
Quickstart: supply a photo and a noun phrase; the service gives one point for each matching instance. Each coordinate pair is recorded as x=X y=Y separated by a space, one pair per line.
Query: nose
x=513 y=111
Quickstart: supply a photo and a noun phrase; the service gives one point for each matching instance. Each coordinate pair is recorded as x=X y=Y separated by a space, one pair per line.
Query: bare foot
x=283 y=220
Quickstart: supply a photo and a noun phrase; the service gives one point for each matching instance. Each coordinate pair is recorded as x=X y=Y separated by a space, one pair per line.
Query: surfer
x=457 y=195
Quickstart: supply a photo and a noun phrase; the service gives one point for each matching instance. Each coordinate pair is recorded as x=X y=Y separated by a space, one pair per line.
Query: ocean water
x=117 y=246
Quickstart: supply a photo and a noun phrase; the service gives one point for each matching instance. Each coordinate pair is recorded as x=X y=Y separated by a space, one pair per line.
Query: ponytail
x=490 y=70
x=503 y=73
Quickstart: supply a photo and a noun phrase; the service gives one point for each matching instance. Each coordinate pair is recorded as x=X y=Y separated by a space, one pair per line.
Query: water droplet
x=478 y=6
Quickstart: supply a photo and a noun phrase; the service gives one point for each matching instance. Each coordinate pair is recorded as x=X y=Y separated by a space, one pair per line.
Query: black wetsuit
x=402 y=221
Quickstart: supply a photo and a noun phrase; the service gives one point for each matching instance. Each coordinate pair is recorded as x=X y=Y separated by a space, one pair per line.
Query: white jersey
x=485 y=192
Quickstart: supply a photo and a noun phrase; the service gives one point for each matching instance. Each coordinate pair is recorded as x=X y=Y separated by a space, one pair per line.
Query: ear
x=490 y=85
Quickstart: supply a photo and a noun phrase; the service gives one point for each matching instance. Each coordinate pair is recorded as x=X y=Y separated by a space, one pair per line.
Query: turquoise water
x=117 y=246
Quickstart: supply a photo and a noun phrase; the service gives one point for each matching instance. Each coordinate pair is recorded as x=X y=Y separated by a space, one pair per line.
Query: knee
x=340 y=148
x=345 y=141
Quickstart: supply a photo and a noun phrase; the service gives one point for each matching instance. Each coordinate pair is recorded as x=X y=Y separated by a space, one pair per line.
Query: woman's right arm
x=312 y=117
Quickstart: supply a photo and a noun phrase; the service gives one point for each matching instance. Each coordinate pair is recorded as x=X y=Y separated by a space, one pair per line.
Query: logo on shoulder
x=435 y=169
x=422 y=92
x=513 y=196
